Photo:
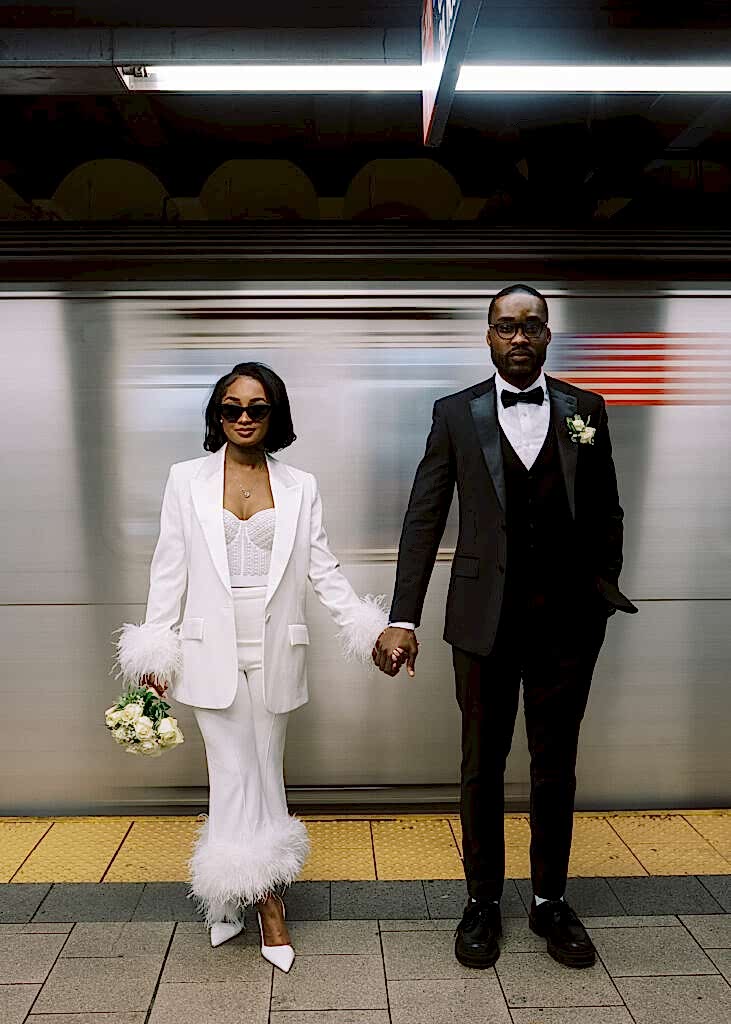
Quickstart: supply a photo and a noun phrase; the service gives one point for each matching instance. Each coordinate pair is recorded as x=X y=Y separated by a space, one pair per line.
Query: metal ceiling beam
x=91 y=47
x=538 y=45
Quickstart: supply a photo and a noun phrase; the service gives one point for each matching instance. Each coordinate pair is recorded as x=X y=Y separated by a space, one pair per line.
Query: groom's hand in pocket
x=395 y=646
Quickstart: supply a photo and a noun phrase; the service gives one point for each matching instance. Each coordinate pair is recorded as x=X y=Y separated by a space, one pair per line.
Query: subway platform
x=95 y=927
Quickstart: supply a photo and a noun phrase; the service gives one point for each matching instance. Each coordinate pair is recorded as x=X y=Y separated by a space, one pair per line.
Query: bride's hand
x=158 y=686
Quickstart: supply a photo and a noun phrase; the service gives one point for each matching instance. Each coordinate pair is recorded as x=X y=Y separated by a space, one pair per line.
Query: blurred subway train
x=108 y=361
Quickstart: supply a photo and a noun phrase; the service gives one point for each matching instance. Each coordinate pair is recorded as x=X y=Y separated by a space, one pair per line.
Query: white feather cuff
x=148 y=649
x=361 y=633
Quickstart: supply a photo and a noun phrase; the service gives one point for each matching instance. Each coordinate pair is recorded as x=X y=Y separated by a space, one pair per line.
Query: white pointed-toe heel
x=281 y=956
x=222 y=931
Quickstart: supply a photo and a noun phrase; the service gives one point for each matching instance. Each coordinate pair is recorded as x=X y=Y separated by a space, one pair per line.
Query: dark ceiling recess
x=572 y=159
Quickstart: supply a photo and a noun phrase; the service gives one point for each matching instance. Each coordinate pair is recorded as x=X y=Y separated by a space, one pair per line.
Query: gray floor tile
x=474 y=1000
x=79 y=985
x=722 y=960
x=410 y=956
x=363 y=901
x=590 y=897
x=447 y=898
x=677 y=1000
x=15 y=1001
x=315 y=937
x=225 y=1002
x=165 y=901
x=534 y=979
x=668 y=894
x=86 y=901
x=126 y=938
x=20 y=900
x=27 y=959
x=573 y=1015
x=330 y=1017
x=636 y=952
x=87 y=1018
x=308 y=901
x=432 y=925
x=192 y=956
x=52 y=928
x=628 y=921
x=518 y=938
x=709 y=930
x=331 y=983
x=719 y=887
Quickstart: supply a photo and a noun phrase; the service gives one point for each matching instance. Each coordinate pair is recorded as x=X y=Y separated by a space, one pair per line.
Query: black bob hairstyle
x=281 y=431
x=510 y=290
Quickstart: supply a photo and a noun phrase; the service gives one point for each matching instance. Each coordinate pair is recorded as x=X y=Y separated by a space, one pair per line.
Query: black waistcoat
x=542 y=563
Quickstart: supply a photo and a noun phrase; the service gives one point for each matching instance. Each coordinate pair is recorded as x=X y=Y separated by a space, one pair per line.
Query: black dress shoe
x=477 y=933
x=568 y=942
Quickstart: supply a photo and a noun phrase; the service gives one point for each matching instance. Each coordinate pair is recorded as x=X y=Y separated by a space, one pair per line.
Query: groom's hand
x=394 y=646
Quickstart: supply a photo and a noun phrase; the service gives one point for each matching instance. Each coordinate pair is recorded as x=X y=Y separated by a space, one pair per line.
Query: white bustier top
x=249 y=547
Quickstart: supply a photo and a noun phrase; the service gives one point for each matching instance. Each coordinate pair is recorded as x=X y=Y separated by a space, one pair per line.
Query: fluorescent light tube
x=291 y=78
x=593 y=78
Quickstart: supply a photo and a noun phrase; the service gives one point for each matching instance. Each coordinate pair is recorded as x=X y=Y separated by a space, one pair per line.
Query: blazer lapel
x=563 y=405
x=207 y=493
x=287 y=494
x=484 y=415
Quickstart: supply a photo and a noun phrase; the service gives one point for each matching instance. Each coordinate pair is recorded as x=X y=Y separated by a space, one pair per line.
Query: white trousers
x=249 y=845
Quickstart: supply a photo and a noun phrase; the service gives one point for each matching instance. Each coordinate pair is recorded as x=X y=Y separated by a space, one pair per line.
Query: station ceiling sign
x=446 y=30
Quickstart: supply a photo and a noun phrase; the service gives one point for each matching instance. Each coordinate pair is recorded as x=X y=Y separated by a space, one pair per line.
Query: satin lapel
x=563 y=405
x=207 y=492
x=287 y=496
x=484 y=414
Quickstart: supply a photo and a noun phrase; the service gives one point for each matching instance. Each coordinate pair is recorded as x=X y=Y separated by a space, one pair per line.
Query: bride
x=241 y=533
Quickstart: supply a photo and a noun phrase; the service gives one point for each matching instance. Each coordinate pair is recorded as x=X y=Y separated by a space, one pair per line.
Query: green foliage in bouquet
x=140 y=723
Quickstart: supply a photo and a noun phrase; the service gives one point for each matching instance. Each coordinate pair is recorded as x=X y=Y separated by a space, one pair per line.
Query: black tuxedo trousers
x=554 y=657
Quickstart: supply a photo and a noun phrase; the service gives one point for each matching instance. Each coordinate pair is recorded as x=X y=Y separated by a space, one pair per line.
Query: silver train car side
x=105 y=386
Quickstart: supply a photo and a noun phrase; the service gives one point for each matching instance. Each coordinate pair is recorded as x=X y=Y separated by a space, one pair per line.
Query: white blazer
x=196 y=651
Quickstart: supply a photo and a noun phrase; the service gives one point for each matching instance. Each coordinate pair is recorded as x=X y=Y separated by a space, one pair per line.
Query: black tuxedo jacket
x=464 y=448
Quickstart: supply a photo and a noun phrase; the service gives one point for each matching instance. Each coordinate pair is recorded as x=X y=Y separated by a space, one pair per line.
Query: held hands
x=394 y=647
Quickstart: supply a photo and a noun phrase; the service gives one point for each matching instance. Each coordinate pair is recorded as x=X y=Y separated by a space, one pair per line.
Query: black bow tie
x=534 y=397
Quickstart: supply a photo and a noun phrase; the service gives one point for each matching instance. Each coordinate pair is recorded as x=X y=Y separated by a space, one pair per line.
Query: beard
x=526 y=368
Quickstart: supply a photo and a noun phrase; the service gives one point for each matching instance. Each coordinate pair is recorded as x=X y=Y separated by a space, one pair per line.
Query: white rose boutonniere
x=580 y=432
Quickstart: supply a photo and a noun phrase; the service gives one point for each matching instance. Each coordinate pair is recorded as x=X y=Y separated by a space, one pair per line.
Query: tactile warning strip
x=356 y=847
x=339 y=850
x=17 y=840
x=76 y=850
x=155 y=850
x=415 y=848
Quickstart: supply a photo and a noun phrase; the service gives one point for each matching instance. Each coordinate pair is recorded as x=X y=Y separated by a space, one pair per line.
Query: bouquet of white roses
x=140 y=723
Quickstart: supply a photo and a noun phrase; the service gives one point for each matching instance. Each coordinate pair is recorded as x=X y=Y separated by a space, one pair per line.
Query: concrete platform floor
x=378 y=952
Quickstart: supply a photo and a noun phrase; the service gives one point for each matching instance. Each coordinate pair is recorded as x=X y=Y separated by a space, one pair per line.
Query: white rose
x=144 y=729
x=587 y=435
x=131 y=712
x=166 y=730
x=112 y=716
x=578 y=423
x=149 y=748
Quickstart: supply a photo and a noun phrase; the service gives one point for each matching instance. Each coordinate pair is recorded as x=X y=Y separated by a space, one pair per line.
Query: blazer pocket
x=298 y=634
x=466 y=565
x=191 y=629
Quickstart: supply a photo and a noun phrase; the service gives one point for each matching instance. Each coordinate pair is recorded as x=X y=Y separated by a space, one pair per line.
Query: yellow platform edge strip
x=135 y=848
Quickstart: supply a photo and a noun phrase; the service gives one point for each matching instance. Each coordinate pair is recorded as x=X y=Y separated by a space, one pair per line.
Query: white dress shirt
x=525 y=426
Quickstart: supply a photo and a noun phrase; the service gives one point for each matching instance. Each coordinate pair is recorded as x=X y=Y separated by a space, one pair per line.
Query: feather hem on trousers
x=226 y=876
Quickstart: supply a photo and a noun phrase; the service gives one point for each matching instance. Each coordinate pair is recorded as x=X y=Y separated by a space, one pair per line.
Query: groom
x=533 y=582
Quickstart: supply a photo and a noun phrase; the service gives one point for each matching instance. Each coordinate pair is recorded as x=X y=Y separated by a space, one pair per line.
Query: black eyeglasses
x=256 y=412
x=507 y=329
